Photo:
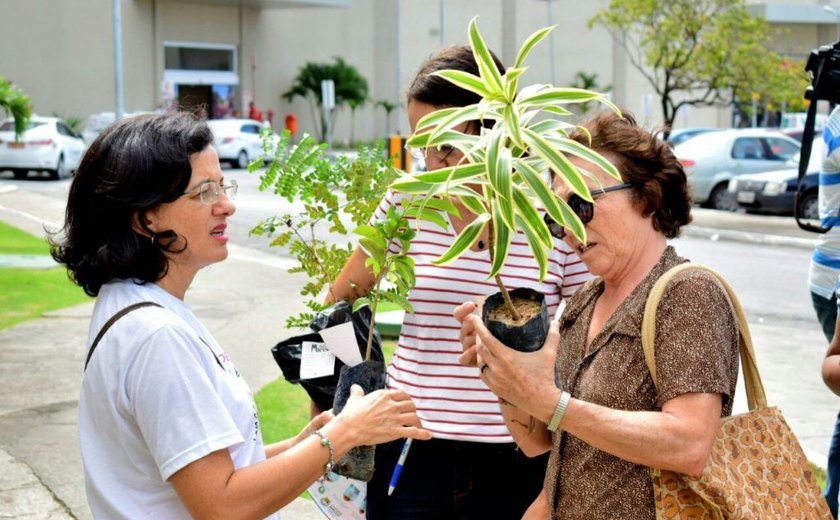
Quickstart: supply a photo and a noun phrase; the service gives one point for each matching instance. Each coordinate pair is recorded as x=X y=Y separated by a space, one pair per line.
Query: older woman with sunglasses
x=471 y=469
x=168 y=427
x=589 y=390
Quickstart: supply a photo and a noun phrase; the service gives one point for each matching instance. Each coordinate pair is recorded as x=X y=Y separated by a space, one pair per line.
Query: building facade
x=225 y=53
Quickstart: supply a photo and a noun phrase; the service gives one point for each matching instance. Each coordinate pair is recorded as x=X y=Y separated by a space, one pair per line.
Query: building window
x=187 y=56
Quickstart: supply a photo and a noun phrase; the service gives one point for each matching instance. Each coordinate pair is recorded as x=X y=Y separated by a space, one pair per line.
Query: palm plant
x=350 y=87
x=502 y=177
x=16 y=104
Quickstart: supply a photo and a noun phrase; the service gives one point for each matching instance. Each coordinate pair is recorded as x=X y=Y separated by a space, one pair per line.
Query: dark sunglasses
x=584 y=209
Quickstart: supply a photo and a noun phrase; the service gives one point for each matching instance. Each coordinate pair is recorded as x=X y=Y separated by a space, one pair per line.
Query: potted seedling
x=503 y=178
x=332 y=192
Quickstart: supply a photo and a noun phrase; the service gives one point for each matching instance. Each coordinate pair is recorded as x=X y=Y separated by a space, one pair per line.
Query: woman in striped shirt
x=471 y=469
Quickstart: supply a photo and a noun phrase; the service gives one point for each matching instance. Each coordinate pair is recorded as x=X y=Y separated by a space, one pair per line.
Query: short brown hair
x=660 y=187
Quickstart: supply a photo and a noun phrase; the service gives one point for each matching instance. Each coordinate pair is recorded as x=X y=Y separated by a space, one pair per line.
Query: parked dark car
x=773 y=192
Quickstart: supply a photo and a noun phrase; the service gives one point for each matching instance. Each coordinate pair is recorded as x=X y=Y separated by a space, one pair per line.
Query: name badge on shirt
x=315 y=360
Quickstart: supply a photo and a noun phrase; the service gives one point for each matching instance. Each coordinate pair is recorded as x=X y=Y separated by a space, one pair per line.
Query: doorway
x=197 y=99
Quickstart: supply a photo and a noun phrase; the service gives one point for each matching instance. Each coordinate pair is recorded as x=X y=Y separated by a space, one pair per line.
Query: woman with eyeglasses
x=471 y=469
x=168 y=428
x=589 y=389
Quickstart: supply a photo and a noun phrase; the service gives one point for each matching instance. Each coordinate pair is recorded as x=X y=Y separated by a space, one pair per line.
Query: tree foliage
x=694 y=52
x=16 y=104
x=351 y=89
x=334 y=193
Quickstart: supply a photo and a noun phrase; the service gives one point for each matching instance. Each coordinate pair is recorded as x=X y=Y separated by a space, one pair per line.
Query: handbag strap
x=113 y=320
x=756 y=396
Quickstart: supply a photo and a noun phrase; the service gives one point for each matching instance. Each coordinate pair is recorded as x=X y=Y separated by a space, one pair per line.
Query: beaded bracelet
x=326 y=442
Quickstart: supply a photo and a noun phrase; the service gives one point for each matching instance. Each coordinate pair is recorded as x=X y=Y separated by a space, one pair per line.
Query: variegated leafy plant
x=503 y=178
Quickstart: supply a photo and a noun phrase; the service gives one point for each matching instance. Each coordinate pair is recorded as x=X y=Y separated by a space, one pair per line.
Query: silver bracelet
x=326 y=442
x=559 y=411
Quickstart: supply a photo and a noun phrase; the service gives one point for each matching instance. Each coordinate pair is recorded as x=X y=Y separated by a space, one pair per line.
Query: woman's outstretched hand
x=381 y=416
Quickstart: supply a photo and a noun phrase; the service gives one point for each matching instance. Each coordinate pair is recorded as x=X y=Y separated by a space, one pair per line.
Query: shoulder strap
x=752 y=379
x=111 y=321
x=804 y=157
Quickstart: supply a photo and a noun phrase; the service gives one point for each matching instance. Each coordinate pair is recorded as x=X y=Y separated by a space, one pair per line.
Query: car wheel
x=809 y=207
x=720 y=199
x=241 y=160
x=19 y=174
x=60 y=171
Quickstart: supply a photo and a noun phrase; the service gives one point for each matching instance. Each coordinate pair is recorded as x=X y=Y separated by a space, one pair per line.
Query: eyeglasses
x=584 y=209
x=440 y=153
x=208 y=193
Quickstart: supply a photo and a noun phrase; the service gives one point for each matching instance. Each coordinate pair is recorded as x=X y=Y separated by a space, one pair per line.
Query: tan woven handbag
x=757 y=469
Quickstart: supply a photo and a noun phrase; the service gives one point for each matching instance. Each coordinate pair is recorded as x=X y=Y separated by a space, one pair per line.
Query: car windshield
x=9 y=126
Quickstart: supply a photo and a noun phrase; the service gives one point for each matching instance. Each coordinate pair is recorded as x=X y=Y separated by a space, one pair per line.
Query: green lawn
x=28 y=293
x=284 y=407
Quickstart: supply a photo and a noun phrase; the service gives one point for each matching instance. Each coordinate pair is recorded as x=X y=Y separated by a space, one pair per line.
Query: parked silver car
x=48 y=144
x=712 y=159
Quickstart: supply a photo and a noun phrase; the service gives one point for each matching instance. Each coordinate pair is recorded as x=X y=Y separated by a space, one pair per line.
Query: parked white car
x=712 y=159
x=238 y=141
x=48 y=144
x=95 y=123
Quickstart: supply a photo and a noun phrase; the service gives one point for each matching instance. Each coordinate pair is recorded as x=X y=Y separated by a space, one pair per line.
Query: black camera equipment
x=824 y=68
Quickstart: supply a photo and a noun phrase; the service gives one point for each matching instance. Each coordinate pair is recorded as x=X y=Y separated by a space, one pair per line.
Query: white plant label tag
x=315 y=360
x=341 y=340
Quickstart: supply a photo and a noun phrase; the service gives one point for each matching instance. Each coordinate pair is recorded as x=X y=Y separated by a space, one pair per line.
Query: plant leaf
x=428 y=215
x=529 y=44
x=468 y=235
x=536 y=246
x=486 y=66
x=555 y=96
x=499 y=166
x=556 y=208
x=451 y=173
x=512 y=125
x=360 y=302
x=575 y=148
x=432 y=119
x=473 y=204
x=465 y=80
x=501 y=240
x=557 y=162
x=461 y=115
x=531 y=217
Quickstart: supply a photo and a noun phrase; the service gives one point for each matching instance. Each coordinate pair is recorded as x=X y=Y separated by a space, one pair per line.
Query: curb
x=754 y=238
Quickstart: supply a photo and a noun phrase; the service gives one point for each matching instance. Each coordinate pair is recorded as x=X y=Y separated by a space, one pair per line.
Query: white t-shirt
x=452 y=400
x=158 y=394
x=825 y=262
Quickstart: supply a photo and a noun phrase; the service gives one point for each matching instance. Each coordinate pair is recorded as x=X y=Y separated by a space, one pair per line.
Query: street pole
x=119 y=109
x=397 y=98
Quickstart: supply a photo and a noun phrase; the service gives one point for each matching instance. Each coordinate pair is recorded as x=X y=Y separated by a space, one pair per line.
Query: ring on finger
x=484 y=367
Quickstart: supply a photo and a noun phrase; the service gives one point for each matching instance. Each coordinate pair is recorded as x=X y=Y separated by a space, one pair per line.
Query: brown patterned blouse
x=696 y=351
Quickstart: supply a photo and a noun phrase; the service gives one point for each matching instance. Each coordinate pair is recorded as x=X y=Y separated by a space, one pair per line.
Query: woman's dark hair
x=439 y=92
x=645 y=160
x=132 y=167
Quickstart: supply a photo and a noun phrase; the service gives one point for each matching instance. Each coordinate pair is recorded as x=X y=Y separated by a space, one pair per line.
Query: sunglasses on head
x=584 y=209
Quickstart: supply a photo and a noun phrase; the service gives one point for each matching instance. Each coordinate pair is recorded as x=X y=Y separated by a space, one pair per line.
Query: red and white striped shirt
x=451 y=399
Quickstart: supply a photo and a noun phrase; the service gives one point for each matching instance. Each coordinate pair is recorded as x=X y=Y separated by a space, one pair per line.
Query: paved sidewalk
x=245 y=301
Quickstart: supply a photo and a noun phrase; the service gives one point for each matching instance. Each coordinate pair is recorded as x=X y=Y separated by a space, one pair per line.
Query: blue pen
x=395 y=477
